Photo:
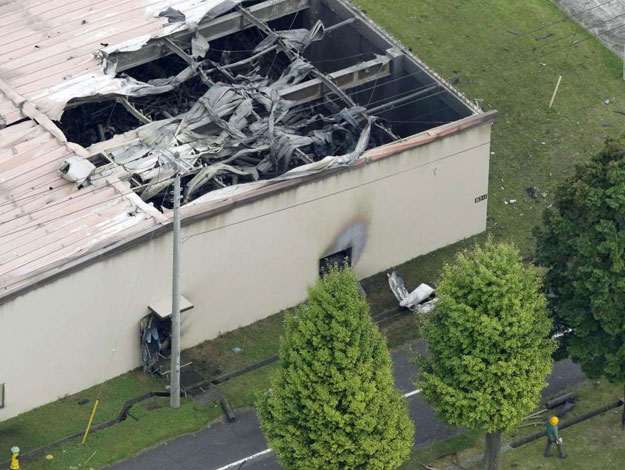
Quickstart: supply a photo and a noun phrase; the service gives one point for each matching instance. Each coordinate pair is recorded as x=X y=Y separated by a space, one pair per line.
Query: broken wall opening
x=256 y=103
x=155 y=341
x=155 y=333
x=335 y=260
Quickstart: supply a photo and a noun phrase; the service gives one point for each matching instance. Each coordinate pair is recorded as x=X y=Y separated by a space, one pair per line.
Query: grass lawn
x=258 y=341
x=592 y=444
x=442 y=452
x=469 y=41
x=243 y=390
x=130 y=437
x=65 y=417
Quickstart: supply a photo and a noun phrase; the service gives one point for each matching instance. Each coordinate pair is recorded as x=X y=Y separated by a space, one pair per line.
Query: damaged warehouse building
x=301 y=131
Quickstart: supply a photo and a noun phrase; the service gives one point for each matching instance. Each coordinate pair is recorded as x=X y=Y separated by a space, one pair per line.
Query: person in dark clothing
x=553 y=438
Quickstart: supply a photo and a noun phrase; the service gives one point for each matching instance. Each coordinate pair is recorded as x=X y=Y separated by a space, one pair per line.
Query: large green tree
x=582 y=245
x=489 y=346
x=332 y=403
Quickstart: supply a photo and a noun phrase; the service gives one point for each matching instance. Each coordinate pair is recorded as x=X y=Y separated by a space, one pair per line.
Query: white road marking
x=246 y=459
x=268 y=451
x=559 y=335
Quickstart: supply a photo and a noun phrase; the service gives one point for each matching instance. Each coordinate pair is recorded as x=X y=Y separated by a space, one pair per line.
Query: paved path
x=603 y=18
x=223 y=443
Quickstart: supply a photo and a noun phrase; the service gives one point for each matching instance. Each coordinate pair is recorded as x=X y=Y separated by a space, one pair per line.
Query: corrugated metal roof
x=48 y=43
x=46 y=221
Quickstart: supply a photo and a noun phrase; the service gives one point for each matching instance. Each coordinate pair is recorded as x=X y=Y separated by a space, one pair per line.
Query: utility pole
x=174 y=388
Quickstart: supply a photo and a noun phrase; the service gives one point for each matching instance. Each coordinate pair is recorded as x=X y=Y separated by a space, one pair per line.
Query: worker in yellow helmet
x=553 y=438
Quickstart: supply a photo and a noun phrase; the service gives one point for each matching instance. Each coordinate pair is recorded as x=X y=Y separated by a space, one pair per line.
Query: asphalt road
x=224 y=443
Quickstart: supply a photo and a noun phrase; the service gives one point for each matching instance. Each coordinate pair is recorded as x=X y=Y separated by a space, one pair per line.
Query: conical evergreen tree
x=333 y=404
x=489 y=344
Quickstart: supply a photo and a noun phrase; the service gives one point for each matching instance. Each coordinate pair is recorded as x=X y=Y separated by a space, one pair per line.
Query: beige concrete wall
x=242 y=265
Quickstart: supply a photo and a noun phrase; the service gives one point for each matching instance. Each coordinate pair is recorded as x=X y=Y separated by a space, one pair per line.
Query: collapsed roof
x=104 y=102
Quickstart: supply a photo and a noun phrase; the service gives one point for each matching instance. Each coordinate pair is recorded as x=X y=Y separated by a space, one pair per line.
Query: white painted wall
x=241 y=266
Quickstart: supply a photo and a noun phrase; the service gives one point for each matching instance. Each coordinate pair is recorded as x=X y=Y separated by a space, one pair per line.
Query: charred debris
x=250 y=106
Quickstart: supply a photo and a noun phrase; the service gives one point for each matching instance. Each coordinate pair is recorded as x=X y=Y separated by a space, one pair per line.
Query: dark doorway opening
x=155 y=341
x=339 y=259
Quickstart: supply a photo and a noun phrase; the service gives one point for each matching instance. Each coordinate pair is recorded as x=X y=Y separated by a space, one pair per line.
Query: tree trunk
x=493 y=448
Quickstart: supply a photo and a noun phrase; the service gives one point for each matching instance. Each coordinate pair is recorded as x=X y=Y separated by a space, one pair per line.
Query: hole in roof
x=249 y=113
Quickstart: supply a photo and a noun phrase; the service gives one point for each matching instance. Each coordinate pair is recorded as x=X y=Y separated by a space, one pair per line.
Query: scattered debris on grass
x=545 y=36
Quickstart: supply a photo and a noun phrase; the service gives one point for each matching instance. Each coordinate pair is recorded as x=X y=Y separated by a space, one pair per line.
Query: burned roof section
x=102 y=103
x=272 y=96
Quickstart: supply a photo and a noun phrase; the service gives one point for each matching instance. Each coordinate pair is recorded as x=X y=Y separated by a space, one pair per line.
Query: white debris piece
x=419 y=300
x=199 y=46
x=417 y=296
x=76 y=169
x=427 y=307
